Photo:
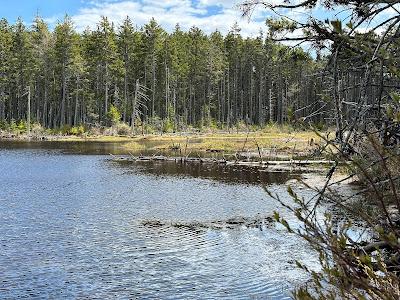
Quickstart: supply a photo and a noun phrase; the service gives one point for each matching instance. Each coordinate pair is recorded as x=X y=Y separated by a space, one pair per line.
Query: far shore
x=278 y=144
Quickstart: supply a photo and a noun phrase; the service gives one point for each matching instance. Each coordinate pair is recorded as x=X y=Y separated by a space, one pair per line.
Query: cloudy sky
x=206 y=14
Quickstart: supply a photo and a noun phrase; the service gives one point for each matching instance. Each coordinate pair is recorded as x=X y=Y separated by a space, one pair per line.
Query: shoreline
x=268 y=145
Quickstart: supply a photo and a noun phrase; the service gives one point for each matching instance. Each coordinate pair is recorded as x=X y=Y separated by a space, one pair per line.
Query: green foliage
x=196 y=78
x=65 y=129
x=320 y=126
x=37 y=128
x=22 y=126
x=213 y=124
x=280 y=25
x=206 y=116
x=113 y=115
x=291 y=115
x=168 y=126
x=77 y=130
x=3 y=125
x=204 y=77
x=13 y=126
x=337 y=26
x=149 y=128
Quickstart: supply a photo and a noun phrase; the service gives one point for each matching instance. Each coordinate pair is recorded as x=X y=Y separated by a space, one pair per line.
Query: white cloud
x=208 y=15
x=221 y=3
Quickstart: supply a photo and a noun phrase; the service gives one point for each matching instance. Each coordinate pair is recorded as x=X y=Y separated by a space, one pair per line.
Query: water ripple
x=75 y=227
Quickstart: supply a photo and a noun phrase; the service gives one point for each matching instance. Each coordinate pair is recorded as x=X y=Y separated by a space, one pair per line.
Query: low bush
x=77 y=130
x=37 y=129
x=123 y=129
x=168 y=126
x=22 y=126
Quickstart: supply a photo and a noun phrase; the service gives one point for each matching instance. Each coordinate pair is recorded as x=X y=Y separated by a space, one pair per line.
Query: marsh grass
x=275 y=140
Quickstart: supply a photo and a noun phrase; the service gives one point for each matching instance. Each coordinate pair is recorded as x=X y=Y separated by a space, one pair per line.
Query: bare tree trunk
x=338 y=109
x=2 y=105
x=99 y=104
x=175 y=112
x=44 y=114
x=228 y=118
x=271 y=107
x=260 y=107
x=76 y=102
x=166 y=91
x=106 y=92
x=134 y=103
x=251 y=94
x=126 y=56
x=28 y=125
x=64 y=94
x=125 y=93
x=153 y=87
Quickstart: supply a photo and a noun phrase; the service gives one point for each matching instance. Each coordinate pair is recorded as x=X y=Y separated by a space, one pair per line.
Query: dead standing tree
x=138 y=102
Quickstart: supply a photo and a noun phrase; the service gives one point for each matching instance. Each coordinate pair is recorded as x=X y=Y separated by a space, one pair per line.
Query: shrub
x=110 y=131
x=13 y=126
x=149 y=129
x=113 y=115
x=353 y=267
x=241 y=126
x=3 y=125
x=95 y=130
x=168 y=126
x=123 y=129
x=37 y=128
x=77 y=130
x=156 y=124
x=65 y=129
x=22 y=126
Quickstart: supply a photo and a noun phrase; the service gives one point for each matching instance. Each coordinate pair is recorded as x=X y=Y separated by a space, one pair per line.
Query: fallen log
x=271 y=164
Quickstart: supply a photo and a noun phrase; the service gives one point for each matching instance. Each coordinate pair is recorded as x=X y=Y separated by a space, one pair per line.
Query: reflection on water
x=96 y=148
x=66 y=147
x=218 y=172
x=73 y=226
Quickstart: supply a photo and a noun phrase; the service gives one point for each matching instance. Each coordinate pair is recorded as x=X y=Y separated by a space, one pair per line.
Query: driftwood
x=281 y=164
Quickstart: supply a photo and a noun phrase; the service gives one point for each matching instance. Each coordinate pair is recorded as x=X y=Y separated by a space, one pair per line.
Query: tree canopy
x=185 y=77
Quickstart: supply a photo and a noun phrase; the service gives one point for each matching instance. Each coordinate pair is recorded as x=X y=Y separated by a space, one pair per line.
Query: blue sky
x=206 y=14
x=209 y=15
x=27 y=9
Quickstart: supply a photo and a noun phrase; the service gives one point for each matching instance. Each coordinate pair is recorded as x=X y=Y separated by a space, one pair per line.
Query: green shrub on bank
x=123 y=129
x=77 y=130
x=37 y=128
x=13 y=126
x=168 y=127
x=149 y=129
x=22 y=126
x=68 y=130
x=152 y=126
x=3 y=125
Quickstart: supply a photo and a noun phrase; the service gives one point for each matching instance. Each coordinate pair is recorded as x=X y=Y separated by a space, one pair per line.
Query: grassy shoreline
x=271 y=141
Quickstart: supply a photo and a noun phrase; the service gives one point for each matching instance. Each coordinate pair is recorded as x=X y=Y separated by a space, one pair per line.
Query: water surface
x=77 y=226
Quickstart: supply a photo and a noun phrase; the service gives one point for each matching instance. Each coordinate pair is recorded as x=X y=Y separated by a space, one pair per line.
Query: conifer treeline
x=149 y=75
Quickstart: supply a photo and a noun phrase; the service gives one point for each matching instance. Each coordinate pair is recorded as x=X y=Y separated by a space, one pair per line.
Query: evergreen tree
x=184 y=78
x=6 y=38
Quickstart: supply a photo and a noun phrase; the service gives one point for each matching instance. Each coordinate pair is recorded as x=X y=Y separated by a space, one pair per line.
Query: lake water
x=74 y=225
